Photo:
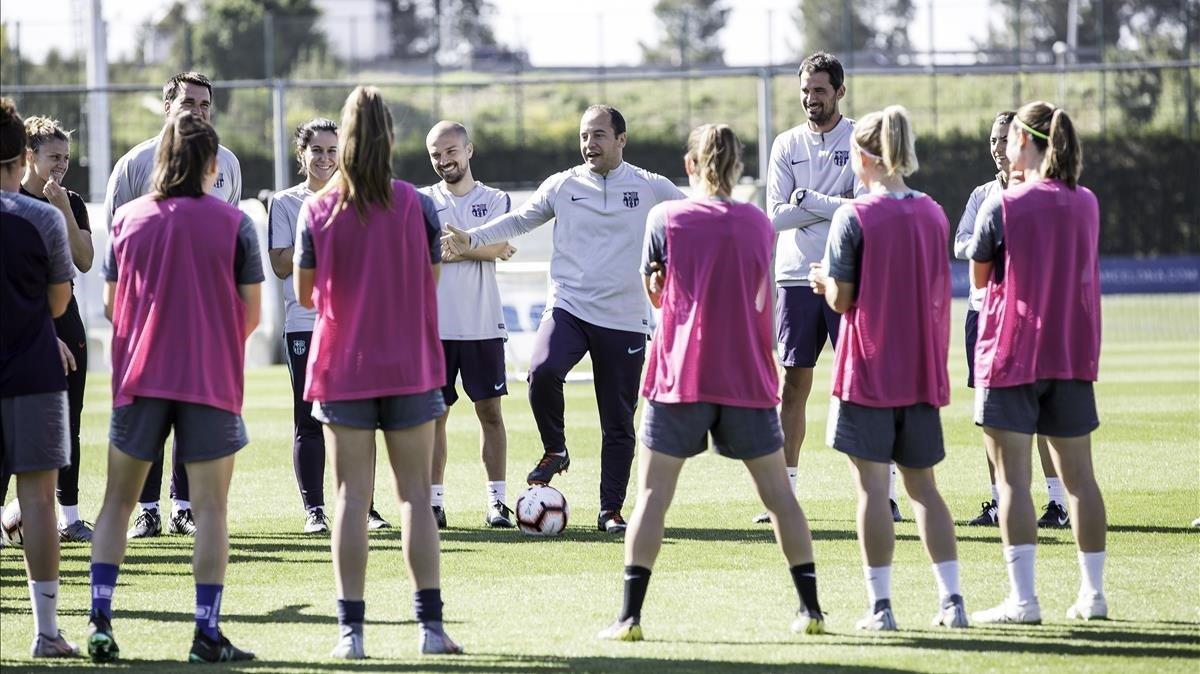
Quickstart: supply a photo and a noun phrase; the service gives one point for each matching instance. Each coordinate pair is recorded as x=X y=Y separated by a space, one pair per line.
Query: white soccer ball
x=542 y=511
x=10 y=523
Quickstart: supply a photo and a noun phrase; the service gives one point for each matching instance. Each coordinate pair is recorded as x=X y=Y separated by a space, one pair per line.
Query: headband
x=1030 y=130
x=864 y=151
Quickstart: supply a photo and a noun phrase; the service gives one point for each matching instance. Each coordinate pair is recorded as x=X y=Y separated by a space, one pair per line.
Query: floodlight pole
x=99 y=133
x=766 y=124
x=279 y=117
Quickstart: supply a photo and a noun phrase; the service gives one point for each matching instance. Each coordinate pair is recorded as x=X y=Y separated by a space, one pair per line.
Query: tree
x=424 y=27
x=845 y=27
x=232 y=40
x=689 y=33
x=1142 y=25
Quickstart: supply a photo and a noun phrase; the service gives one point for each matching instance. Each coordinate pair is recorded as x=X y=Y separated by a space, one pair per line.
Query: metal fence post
x=766 y=122
x=99 y=132
x=279 y=123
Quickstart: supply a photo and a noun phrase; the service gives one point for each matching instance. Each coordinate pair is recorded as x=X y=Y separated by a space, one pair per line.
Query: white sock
x=437 y=495
x=946 y=574
x=1091 y=573
x=43 y=594
x=180 y=505
x=149 y=505
x=496 y=491
x=995 y=494
x=1021 y=561
x=879 y=583
x=67 y=515
x=793 y=474
x=1058 y=494
x=892 y=483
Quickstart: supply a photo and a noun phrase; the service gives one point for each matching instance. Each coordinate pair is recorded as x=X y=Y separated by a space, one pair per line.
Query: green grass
x=721 y=598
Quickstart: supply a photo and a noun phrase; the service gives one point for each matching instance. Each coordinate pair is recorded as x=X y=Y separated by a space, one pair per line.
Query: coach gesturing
x=597 y=306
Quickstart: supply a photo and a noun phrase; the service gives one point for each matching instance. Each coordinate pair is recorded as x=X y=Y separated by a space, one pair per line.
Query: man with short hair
x=597 y=305
x=1055 y=514
x=192 y=92
x=809 y=178
x=470 y=316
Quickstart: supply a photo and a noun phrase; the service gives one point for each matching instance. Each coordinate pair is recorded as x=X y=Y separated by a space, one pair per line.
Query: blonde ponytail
x=888 y=137
x=717 y=154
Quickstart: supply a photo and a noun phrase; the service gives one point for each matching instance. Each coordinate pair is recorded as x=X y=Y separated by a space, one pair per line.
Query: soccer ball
x=542 y=511
x=10 y=523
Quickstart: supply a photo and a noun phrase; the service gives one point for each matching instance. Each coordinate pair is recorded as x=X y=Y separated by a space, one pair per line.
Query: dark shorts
x=910 y=436
x=480 y=363
x=34 y=431
x=391 y=413
x=804 y=320
x=202 y=432
x=971 y=328
x=1058 y=408
x=682 y=429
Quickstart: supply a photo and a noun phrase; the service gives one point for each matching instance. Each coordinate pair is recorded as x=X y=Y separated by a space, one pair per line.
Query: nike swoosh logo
x=441 y=209
x=633 y=351
x=578 y=198
x=798 y=161
x=499 y=386
x=49 y=596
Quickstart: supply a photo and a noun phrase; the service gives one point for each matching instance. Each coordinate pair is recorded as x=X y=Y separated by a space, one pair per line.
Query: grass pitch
x=721 y=598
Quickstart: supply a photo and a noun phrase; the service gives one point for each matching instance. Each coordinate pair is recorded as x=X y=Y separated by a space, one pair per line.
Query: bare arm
x=496 y=251
x=437 y=273
x=79 y=240
x=654 y=285
x=58 y=297
x=110 y=293
x=839 y=295
x=281 y=261
x=251 y=294
x=302 y=282
x=981 y=272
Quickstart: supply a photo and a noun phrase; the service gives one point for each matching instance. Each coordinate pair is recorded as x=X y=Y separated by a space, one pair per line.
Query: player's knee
x=490 y=415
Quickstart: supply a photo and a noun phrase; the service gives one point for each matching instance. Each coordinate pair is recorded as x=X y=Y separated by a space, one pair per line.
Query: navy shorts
x=909 y=436
x=804 y=320
x=682 y=429
x=390 y=413
x=1058 y=408
x=202 y=432
x=971 y=328
x=480 y=363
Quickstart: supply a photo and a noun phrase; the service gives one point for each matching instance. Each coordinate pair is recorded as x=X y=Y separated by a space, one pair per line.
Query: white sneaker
x=1011 y=612
x=435 y=641
x=952 y=614
x=1092 y=607
x=349 y=647
x=879 y=621
x=53 y=647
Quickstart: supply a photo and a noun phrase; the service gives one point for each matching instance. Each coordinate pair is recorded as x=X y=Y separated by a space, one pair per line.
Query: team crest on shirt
x=220 y=184
x=478 y=210
x=299 y=347
x=631 y=199
x=840 y=157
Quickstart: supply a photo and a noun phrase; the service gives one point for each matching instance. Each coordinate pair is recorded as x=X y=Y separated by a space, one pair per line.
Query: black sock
x=351 y=613
x=881 y=604
x=637 y=579
x=804 y=576
x=427 y=604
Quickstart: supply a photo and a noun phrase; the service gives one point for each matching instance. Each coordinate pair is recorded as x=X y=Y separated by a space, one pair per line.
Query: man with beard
x=597 y=302
x=809 y=178
x=470 y=316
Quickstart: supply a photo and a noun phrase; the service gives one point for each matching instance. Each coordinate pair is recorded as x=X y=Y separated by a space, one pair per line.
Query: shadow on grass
x=291 y=614
x=1151 y=529
x=502 y=664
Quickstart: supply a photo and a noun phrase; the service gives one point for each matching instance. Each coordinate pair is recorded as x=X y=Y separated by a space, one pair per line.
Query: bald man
x=470 y=316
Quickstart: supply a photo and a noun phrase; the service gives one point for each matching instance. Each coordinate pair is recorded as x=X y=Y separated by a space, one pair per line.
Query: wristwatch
x=799 y=195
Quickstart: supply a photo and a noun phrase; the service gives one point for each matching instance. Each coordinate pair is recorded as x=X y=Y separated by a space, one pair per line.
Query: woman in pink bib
x=1036 y=250
x=368 y=249
x=183 y=274
x=711 y=370
x=886 y=270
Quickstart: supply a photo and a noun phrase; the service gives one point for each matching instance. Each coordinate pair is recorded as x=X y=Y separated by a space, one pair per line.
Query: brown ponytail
x=1053 y=133
x=186 y=148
